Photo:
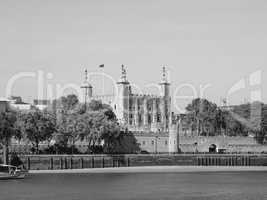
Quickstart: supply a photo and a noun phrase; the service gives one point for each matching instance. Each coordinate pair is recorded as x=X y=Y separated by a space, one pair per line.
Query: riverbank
x=154 y=169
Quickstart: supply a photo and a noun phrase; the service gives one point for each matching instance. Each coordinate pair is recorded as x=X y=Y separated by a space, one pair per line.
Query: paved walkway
x=153 y=169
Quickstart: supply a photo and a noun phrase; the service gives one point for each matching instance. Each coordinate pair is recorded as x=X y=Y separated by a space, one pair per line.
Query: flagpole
x=103 y=79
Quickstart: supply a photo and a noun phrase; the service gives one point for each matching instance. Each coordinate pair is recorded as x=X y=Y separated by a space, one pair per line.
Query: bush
x=60 y=149
x=15 y=160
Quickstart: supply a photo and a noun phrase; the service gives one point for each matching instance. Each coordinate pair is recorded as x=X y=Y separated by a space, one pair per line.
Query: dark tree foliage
x=95 y=123
x=37 y=126
x=207 y=119
x=8 y=129
x=124 y=143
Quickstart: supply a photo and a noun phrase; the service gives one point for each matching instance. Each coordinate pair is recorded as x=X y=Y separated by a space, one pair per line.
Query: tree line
x=65 y=122
x=207 y=119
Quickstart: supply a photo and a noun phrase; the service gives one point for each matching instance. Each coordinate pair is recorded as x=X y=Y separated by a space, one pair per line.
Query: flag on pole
x=101 y=66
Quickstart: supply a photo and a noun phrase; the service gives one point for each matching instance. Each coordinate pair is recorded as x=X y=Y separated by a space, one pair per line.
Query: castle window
x=144 y=142
x=166 y=142
x=131 y=118
x=158 y=118
x=152 y=142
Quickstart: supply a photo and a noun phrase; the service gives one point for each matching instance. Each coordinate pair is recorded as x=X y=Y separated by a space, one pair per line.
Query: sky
x=208 y=44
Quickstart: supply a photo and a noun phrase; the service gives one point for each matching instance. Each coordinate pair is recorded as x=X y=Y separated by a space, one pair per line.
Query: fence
x=51 y=162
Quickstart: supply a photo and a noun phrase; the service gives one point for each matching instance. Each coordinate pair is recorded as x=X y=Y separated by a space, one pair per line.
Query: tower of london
x=137 y=112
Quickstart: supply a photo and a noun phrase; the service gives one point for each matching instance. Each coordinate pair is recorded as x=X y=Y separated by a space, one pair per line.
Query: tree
x=201 y=114
x=92 y=126
x=95 y=105
x=248 y=118
x=69 y=102
x=72 y=128
x=8 y=129
x=96 y=123
x=123 y=142
x=37 y=126
x=65 y=110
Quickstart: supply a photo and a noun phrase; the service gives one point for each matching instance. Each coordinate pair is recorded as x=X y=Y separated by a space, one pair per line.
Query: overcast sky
x=200 y=41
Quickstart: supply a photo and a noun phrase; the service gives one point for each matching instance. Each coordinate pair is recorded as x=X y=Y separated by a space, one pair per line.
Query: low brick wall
x=51 y=162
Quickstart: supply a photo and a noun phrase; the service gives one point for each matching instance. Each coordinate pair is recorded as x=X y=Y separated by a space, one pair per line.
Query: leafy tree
x=121 y=143
x=69 y=102
x=95 y=105
x=92 y=126
x=202 y=115
x=67 y=128
x=248 y=118
x=95 y=123
x=8 y=129
x=37 y=126
x=63 y=105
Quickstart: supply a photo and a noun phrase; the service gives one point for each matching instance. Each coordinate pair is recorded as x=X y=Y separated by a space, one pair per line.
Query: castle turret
x=165 y=101
x=123 y=96
x=164 y=84
x=87 y=88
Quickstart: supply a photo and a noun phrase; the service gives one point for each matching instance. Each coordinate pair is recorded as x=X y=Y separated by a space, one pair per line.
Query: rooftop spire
x=85 y=75
x=123 y=74
x=86 y=83
x=164 y=75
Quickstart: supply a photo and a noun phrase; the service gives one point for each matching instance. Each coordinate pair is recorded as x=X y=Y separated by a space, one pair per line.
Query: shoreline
x=153 y=169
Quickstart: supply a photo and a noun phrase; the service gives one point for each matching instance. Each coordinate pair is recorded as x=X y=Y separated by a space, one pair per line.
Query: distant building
x=4 y=104
x=41 y=104
x=16 y=102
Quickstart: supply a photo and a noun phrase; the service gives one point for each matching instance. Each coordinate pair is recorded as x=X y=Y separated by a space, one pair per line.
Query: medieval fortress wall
x=156 y=127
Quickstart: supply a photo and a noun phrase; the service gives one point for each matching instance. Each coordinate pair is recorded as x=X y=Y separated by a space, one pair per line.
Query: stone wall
x=159 y=143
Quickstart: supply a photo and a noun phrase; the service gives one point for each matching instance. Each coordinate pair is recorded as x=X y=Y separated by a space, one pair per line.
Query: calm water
x=219 y=186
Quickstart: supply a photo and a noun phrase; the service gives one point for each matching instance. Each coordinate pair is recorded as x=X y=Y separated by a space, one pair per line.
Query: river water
x=152 y=186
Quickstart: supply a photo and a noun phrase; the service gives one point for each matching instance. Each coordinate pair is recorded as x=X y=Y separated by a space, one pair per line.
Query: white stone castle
x=140 y=113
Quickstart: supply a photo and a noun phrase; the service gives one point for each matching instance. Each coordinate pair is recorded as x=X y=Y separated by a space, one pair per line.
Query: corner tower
x=165 y=105
x=87 y=88
x=164 y=84
x=123 y=97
